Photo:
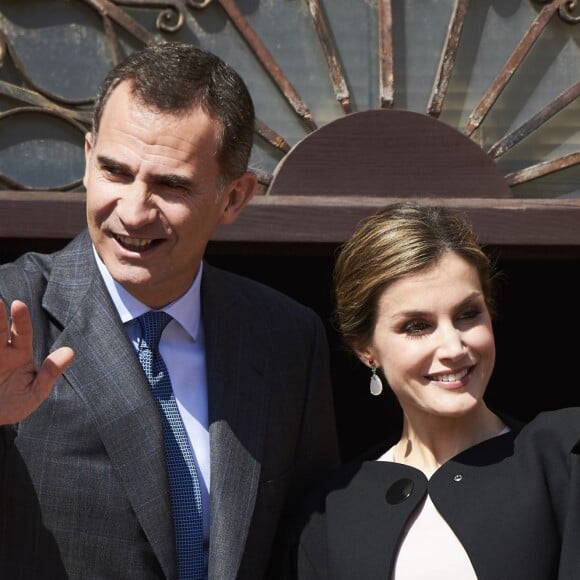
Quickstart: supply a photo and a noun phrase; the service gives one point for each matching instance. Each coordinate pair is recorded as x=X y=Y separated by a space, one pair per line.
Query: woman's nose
x=451 y=343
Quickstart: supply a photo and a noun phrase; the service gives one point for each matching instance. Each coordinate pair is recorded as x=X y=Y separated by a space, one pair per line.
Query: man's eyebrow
x=172 y=180
x=169 y=179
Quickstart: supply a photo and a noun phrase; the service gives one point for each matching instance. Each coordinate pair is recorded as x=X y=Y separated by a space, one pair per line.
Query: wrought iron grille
x=522 y=108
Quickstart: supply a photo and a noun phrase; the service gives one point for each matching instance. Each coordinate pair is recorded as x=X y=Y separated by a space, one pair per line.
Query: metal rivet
x=458 y=477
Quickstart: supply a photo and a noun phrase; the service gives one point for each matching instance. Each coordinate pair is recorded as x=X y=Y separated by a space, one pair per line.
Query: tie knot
x=152 y=325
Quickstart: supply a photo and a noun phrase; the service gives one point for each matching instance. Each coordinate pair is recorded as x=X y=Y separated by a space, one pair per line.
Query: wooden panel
x=388 y=153
x=313 y=219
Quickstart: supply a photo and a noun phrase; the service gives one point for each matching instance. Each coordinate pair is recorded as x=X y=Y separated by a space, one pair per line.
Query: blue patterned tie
x=183 y=478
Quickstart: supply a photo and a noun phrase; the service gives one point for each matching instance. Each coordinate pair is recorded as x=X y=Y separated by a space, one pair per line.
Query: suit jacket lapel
x=108 y=377
x=236 y=355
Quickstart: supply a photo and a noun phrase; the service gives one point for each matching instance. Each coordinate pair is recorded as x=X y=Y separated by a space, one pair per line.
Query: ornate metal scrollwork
x=122 y=29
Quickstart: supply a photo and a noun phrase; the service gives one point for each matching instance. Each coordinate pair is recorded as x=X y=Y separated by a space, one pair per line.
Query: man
x=85 y=481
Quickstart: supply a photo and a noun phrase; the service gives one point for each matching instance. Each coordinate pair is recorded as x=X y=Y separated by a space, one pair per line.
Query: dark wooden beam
x=313 y=219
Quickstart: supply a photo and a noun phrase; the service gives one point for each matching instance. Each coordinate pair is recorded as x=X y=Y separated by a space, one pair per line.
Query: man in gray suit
x=84 y=479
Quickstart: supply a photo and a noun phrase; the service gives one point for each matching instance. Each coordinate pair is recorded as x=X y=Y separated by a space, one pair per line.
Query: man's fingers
x=56 y=363
x=4 y=330
x=20 y=332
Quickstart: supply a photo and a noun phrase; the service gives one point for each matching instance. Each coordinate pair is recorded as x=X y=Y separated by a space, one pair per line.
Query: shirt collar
x=186 y=309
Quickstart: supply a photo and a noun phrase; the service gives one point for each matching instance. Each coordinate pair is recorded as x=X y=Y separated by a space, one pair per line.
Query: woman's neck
x=426 y=445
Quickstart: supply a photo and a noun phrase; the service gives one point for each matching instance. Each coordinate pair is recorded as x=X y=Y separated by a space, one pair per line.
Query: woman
x=462 y=492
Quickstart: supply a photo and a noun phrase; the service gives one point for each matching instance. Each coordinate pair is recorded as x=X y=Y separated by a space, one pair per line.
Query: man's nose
x=136 y=206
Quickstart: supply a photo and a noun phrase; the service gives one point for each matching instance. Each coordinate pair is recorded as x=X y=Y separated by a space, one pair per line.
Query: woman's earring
x=376 y=385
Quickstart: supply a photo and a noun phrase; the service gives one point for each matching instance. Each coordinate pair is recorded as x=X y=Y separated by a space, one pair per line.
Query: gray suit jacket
x=83 y=484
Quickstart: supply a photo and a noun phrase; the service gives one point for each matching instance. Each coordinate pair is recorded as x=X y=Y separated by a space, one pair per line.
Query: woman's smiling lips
x=450 y=377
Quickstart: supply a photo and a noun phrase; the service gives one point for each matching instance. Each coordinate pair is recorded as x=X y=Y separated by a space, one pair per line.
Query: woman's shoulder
x=360 y=461
x=558 y=425
x=364 y=471
x=564 y=418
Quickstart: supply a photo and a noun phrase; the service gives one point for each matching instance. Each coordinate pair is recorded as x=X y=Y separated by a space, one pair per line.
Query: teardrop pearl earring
x=376 y=385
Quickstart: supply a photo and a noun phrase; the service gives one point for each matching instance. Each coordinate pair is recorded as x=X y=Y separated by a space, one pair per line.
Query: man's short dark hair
x=175 y=78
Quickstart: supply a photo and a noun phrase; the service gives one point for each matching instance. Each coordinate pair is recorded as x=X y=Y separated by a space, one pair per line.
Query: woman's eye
x=415 y=327
x=470 y=314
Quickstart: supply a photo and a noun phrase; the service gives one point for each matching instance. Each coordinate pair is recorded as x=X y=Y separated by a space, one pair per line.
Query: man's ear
x=240 y=192
x=88 y=149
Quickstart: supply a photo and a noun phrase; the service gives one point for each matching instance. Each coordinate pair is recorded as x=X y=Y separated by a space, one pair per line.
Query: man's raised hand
x=23 y=387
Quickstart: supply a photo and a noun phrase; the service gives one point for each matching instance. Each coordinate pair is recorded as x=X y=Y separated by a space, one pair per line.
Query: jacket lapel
x=236 y=355
x=108 y=377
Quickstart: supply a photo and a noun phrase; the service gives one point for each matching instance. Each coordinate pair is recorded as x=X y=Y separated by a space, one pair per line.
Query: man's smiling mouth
x=135 y=244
